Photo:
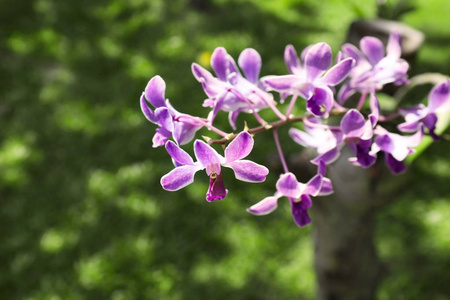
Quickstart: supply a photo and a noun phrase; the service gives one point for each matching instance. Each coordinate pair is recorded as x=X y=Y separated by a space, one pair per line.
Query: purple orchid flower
x=298 y=194
x=373 y=69
x=354 y=131
x=181 y=127
x=358 y=136
x=325 y=139
x=396 y=147
x=209 y=159
x=311 y=80
x=438 y=102
x=230 y=91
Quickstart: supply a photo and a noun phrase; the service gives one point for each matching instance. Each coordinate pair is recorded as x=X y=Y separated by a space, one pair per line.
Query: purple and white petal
x=219 y=63
x=210 y=84
x=160 y=137
x=184 y=132
x=288 y=186
x=372 y=48
x=393 y=144
x=206 y=155
x=409 y=126
x=313 y=186
x=148 y=113
x=291 y=60
x=439 y=98
x=239 y=148
x=303 y=138
x=265 y=206
x=317 y=60
x=250 y=63
x=178 y=154
x=338 y=72
x=154 y=91
x=394 y=46
x=328 y=157
x=282 y=83
x=246 y=170
x=353 y=52
x=164 y=118
x=327 y=187
x=415 y=139
x=179 y=177
x=353 y=123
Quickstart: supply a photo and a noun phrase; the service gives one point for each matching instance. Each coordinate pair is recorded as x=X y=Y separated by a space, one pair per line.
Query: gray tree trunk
x=346 y=261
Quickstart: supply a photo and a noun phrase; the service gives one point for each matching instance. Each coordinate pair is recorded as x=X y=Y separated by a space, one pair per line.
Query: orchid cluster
x=329 y=122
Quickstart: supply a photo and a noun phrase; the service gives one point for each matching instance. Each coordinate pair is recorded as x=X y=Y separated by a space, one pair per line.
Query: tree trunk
x=346 y=261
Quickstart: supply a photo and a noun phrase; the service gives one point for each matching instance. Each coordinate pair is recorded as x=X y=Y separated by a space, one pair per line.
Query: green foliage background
x=82 y=213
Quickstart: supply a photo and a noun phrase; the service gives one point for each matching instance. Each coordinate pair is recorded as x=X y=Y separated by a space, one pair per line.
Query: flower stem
x=280 y=151
x=204 y=123
x=291 y=105
x=273 y=125
x=271 y=104
x=361 y=100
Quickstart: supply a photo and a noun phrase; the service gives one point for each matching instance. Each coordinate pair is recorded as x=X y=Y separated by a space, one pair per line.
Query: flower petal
x=288 y=186
x=160 y=137
x=219 y=63
x=179 y=177
x=216 y=190
x=184 y=132
x=164 y=118
x=353 y=123
x=409 y=126
x=364 y=157
x=178 y=154
x=439 y=98
x=291 y=60
x=317 y=60
x=313 y=186
x=300 y=211
x=250 y=63
x=265 y=206
x=154 y=91
x=327 y=187
x=338 y=72
x=353 y=52
x=206 y=154
x=394 y=46
x=372 y=48
x=148 y=113
x=303 y=138
x=321 y=102
x=328 y=157
x=396 y=167
x=239 y=148
x=246 y=170
x=430 y=122
x=282 y=83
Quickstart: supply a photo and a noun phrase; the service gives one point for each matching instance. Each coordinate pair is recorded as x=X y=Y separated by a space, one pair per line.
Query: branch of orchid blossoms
x=325 y=89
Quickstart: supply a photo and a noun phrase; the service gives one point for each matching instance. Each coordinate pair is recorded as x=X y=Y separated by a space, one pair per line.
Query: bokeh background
x=82 y=213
